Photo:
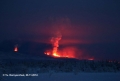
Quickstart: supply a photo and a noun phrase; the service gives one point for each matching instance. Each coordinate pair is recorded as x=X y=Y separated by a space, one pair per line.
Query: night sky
x=90 y=25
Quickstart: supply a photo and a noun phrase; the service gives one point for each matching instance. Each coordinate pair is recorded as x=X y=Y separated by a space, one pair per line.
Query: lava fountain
x=65 y=52
x=55 y=42
x=68 y=53
x=16 y=48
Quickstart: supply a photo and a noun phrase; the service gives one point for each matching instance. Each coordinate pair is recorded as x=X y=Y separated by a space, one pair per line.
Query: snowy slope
x=56 y=69
x=15 y=55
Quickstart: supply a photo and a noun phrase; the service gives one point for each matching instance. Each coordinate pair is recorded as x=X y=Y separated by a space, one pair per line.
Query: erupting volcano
x=69 y=51
x=55 y=52
x=55 y=42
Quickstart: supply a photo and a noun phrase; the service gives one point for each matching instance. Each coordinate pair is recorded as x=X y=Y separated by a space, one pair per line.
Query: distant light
x=16 y=49
x=91 y=59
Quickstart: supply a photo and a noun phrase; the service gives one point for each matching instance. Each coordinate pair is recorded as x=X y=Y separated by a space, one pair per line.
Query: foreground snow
x=62 y=69
x=68 y=77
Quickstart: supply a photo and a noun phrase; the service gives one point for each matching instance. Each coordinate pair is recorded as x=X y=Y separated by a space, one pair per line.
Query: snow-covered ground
x=56 y=69
x=68 y=77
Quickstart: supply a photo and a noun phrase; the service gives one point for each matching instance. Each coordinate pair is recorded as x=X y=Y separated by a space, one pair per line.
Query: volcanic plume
x=55 y=42
x=67 y=49
x=68 y=52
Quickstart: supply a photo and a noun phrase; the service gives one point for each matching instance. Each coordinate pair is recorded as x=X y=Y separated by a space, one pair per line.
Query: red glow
x=66 y=52
x=56 y=55
x=47 y=52
x=69 y=52
x=91 y=59
x=60 y=55
x=15 y=49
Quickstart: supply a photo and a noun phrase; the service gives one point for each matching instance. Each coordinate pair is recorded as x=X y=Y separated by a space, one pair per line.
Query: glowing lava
x=47 y=53
x=59 y=53
x=55 y=42
x=15 y=49
x=56 y=55
x=65 y=52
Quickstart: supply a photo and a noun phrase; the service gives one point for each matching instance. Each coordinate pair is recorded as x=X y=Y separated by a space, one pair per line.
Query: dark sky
x=79 y=21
